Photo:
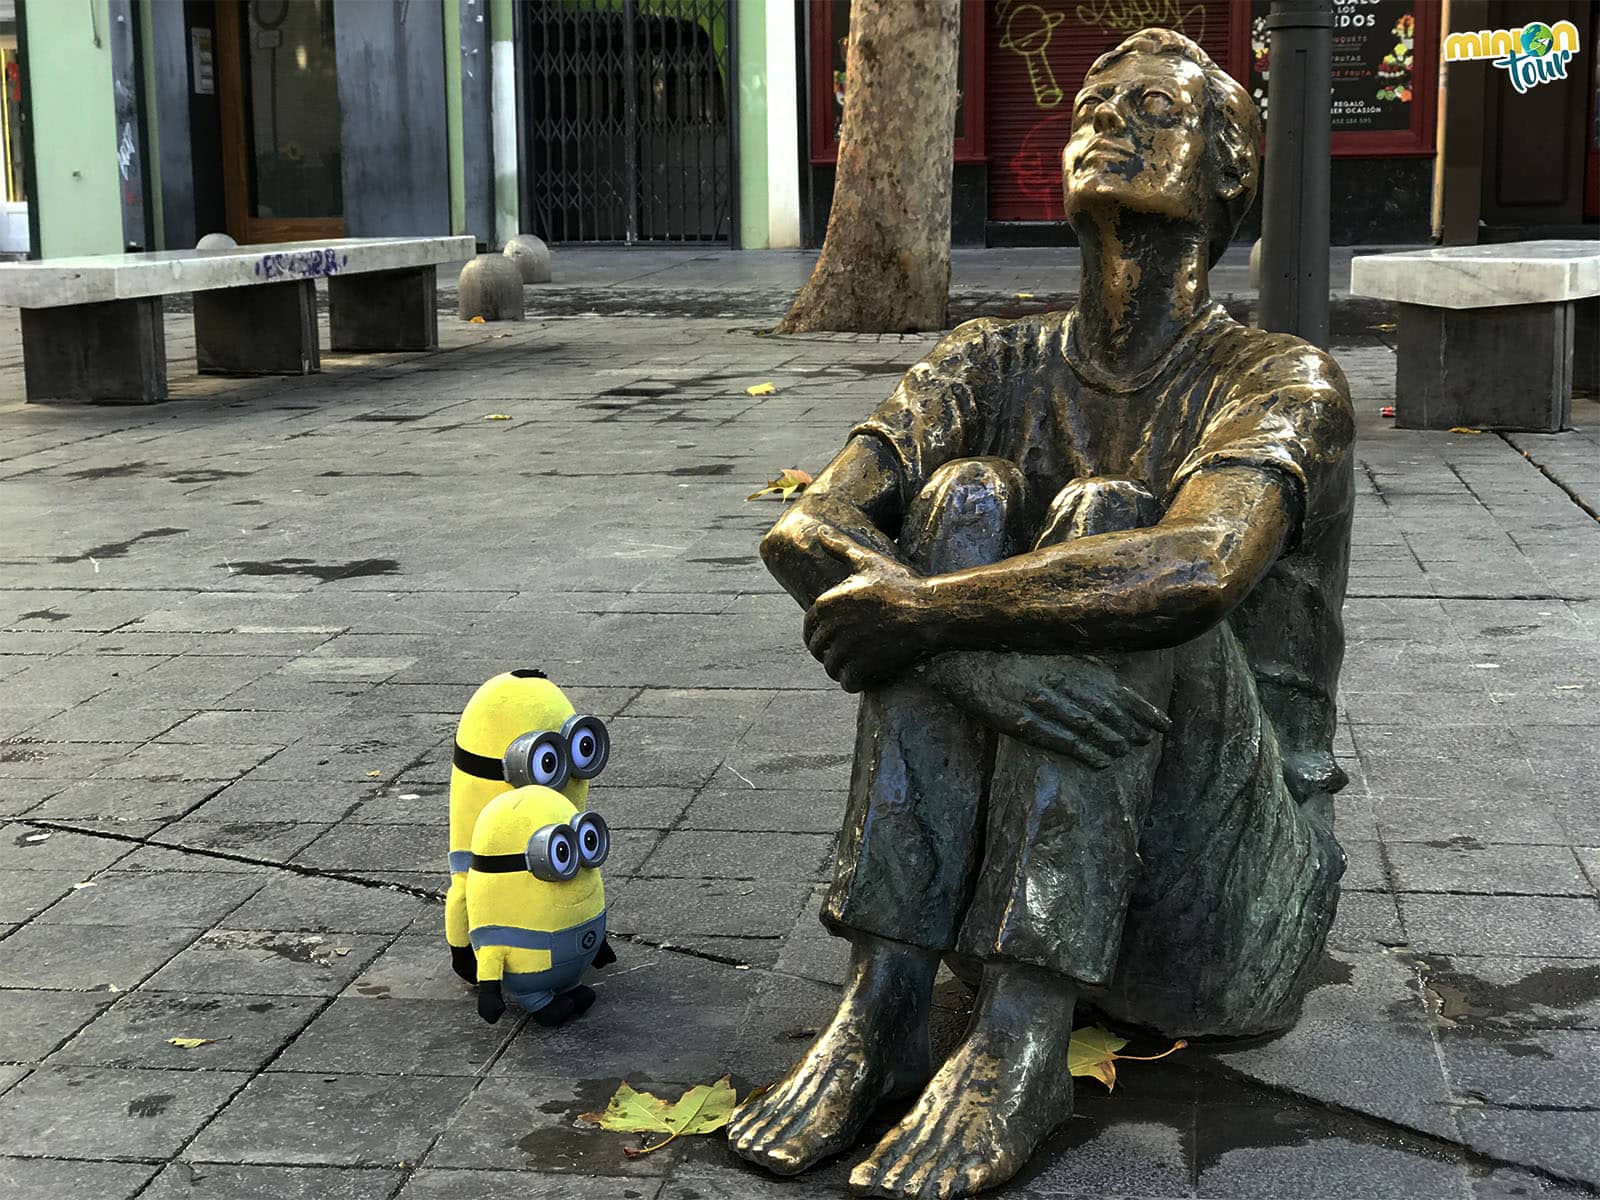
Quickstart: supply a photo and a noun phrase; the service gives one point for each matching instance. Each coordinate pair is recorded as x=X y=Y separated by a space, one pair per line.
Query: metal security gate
x=626 y=120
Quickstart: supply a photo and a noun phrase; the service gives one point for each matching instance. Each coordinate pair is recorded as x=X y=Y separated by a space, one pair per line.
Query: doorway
x=278 y=95
x=626 y=123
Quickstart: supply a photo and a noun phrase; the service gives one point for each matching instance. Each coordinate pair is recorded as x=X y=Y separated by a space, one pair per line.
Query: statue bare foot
x=875 y=1048
x=999 y=1094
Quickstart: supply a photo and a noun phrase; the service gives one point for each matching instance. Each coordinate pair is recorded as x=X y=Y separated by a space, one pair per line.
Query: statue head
x=1159 y=128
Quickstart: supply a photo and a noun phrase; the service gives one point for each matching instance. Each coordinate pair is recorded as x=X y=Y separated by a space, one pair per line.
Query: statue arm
x=1141 y=589
x=858 y=495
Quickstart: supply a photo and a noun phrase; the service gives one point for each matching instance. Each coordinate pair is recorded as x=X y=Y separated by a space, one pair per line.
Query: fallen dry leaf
x=788 y=482
x=189 y=1043
x=1093 y=1051
x=704 y=1108
x=761 y=389
x=1464 y=429
x=498 y=417
x=475 y=321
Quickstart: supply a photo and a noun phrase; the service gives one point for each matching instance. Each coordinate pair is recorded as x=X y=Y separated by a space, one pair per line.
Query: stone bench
x=92 y=327
x=1490 y=337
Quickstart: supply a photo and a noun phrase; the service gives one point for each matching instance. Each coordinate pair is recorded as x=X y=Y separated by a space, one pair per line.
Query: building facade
x=135 y=124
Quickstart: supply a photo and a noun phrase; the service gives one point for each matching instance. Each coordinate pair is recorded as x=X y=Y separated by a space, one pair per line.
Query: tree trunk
x=885 y=262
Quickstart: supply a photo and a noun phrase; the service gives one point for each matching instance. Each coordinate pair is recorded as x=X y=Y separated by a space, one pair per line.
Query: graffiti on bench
x=301 y=264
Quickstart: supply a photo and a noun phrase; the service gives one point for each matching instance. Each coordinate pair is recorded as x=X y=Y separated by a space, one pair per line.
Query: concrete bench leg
x=1586 y=346
x=259 y=329
x=1485 y=368
x=110 y=353
x=383 y=310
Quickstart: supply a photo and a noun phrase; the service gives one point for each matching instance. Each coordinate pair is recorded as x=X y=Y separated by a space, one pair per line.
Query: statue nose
x=1108 y=118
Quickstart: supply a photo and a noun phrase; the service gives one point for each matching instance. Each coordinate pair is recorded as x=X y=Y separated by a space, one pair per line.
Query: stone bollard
x=216 y=241
x=532 y=257
x=491 y=288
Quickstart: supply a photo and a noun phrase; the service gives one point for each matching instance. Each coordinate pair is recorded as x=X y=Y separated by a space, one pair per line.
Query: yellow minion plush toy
x=557 y=748
x=537 y=905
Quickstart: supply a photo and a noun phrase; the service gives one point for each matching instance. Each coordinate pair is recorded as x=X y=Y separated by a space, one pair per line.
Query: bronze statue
x=1085 y=570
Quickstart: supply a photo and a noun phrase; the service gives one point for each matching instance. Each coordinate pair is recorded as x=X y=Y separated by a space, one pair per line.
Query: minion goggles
x=555 y=852
x=548 y=758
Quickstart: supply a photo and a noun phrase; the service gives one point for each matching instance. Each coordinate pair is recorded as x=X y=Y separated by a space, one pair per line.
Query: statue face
x=1138 y=140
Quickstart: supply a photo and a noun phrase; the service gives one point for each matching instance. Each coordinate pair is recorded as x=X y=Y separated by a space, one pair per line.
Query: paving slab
x=237 y=680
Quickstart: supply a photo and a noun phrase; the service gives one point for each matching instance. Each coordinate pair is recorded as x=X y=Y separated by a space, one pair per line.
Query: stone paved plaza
x=239 y=627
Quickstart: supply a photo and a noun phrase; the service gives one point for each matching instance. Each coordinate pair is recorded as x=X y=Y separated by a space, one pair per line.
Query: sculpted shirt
x=1223 y=395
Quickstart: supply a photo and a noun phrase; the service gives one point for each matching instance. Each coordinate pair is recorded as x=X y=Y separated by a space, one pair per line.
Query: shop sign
x=1531 y=55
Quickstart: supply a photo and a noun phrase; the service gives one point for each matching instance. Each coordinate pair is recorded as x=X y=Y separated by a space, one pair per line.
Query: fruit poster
x=1373 y=47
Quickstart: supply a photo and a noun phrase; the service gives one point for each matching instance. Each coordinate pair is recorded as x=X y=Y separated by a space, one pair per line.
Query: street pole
x=1294 y=217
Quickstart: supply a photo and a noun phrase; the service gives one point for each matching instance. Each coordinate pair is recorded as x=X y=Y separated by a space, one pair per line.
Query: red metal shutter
x=1037 y=56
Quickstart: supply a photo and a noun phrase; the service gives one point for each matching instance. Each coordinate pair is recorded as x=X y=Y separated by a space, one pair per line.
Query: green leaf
x=1093 y=1051
x=704 y=1108
x=630 y=1111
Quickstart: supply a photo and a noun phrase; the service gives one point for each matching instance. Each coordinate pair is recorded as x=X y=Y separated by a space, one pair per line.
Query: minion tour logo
x=1536 y=53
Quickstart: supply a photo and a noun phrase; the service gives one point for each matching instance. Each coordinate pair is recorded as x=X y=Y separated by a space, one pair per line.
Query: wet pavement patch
x=118 y=549
x=1507 y=1008
x=360 y=568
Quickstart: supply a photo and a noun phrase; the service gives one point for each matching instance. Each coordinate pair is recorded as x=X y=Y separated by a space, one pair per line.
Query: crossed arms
x=870 y=618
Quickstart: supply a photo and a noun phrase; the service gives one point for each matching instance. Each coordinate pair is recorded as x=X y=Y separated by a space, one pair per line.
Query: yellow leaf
x=374 y=774
x=1024 y=295
x=498 y=417
x=189 y=1043
x=1093 y=1051
x=789 y=481
x=1464 y=429
x=475 y=321
x=761 y=389
x=704 y=1108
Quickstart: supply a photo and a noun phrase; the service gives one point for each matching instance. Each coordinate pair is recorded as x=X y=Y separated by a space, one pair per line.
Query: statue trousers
x=1183 y=888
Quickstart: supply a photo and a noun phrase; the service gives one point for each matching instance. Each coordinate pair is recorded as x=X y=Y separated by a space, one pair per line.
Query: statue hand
x=874 y=625
x=1073 y=705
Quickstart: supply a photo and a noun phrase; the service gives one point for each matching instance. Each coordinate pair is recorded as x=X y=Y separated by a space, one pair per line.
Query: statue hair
x=1233 y=126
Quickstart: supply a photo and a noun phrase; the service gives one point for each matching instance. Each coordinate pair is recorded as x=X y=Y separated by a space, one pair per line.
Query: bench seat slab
x=383 y=310
x=1485 y=368
x=114 y=352
x=260 y=329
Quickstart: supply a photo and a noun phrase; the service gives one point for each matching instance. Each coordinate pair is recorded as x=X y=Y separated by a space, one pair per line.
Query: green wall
x=752 y=148
x=76 y=182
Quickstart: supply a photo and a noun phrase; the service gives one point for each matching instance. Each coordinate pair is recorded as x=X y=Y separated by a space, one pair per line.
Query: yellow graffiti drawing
x=1130 y=16
x=1028 y=30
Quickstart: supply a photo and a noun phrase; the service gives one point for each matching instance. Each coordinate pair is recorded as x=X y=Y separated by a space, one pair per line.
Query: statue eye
x=588 y=745
x=594 y=838
x=538 y=758
x=1158 y=104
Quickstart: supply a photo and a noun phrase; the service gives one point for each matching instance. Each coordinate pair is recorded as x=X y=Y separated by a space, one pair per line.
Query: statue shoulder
x=1275 y=361
x=983 y=339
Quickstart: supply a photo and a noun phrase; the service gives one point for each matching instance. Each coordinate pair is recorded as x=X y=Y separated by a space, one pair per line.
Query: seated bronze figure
x=1085 y=570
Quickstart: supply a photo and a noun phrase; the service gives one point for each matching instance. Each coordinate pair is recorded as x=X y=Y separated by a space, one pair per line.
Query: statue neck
x=1144 y=279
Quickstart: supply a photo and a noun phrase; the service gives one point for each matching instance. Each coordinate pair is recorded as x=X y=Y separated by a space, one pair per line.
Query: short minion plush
x=538 y=908
x=556 y=747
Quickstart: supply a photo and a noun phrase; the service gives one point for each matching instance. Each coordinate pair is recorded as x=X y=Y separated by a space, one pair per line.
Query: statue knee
x=968 y=515
x=1086 y=507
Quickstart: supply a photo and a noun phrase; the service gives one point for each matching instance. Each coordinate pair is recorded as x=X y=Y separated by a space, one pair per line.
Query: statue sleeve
x=938 y=412
x=1288 y=413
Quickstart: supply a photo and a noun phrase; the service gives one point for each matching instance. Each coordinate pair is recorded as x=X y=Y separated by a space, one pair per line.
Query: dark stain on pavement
x=44 y=614
x=360 y=568
x=205 y=476
x=150 y=1106
x=1460 y=841
x=704 y=469
x=1484 y=1005
x=118 y=549
x=119 y=471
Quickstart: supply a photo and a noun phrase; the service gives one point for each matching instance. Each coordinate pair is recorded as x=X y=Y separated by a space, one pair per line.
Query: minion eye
x=588 y=745
x=538 y=758
x=553 y=854
x=594 y=838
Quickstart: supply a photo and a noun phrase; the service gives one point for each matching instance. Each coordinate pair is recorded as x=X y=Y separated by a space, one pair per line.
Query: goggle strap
x=499 y=864
x=479 y=766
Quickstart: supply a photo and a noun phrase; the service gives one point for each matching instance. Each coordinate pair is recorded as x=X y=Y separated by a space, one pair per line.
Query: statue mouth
x=1103 y=150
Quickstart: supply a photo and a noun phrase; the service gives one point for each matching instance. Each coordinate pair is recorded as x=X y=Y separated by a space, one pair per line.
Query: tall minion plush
x=555 y=747
x=537 y=905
